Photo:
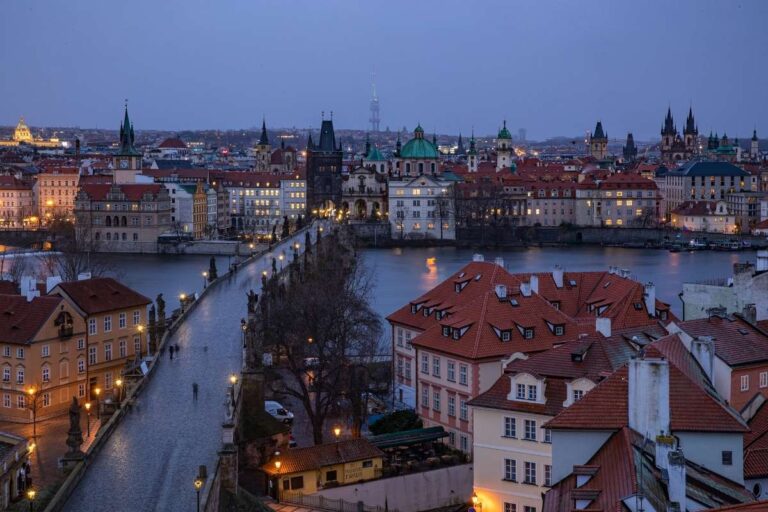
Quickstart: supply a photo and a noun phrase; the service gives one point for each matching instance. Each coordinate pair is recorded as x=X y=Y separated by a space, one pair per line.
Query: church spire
x=263 y=140
x=127 y=137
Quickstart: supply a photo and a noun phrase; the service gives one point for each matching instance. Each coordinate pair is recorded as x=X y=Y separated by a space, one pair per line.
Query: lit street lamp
x=198 y=485
x=278 y=463
x=33 y=405
x=337 y=432
x=88 y=410
x=205 y=279
x=140 y=329
x=244 y=328
x=31 y=497
x=182 y=299
x=119 y=384
x=97 y=392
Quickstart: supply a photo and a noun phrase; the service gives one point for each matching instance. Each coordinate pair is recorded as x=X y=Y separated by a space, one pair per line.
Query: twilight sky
x=553 y=67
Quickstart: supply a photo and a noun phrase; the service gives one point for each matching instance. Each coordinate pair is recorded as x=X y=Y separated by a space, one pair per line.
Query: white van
x=278 y=412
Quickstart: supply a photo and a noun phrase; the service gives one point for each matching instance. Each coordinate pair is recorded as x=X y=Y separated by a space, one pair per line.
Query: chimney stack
x=499 y=261
x=649 y=396
x=649 y=294
x=477 y=257
x=557 y=276
x=535 y=283
x=750 y=313
x=703 y=350
x=676 y=473
x=603 y=326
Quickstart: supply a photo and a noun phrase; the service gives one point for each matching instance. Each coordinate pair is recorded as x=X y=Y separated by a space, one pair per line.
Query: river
x=403 y=274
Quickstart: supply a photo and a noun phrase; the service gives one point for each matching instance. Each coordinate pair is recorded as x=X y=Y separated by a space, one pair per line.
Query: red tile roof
x=8 y=288
x=626 y=464
x=691 y=407
x=297 y=460
x=101 y=294
x=173 y=143
x=737 y=342
x=11 y=183
x=698 y=208
x=133 y=192
x=758 y=506
x=20 y=320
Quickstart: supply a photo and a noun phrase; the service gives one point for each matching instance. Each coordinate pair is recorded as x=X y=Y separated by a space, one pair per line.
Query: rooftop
x=297 y=460
x=100 y=294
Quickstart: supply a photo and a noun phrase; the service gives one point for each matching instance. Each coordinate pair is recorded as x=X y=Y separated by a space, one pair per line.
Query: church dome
x=504 y=133
x=22 y=133
x=419 y=147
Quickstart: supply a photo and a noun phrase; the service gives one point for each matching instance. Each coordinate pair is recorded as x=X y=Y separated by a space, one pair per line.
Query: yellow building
x=116 y=317
x=42 y=341
x=307 y=470
x=199 y=211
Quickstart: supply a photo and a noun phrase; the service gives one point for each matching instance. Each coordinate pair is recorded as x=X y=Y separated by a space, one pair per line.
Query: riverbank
x=378 y=235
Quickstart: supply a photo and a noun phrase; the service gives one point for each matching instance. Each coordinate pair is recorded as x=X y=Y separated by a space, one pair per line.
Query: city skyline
x=219 y=71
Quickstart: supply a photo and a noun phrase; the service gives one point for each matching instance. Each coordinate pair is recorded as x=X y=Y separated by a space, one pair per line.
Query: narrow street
x=151 y=460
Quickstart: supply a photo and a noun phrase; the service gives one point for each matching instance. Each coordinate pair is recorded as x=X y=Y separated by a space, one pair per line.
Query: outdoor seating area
x=416 y=450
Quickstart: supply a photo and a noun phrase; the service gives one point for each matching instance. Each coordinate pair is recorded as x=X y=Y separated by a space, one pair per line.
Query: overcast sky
x=553 y=67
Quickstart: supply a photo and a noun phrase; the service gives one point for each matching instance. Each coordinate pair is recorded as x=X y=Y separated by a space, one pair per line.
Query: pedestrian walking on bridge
x=194 y=391
x=170 y=351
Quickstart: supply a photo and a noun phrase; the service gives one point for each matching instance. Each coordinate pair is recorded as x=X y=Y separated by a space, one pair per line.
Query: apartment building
x=116 y=317
x=422 y=207
x=17 y=203
x=620 y=200
x=56 y=191
x=42 y=353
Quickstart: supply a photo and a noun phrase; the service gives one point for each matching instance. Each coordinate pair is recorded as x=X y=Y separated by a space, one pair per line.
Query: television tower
x=374 y=119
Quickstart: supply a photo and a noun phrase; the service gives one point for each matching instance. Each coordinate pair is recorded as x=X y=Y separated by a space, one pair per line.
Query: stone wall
x=418 y=491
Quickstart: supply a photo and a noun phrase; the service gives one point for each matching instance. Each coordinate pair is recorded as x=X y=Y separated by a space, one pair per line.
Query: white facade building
x=422 y=207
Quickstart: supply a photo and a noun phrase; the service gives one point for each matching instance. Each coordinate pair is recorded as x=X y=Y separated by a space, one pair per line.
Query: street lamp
x=31 y=497
x=97 y=392
x=233 y=379
x=140 y=328
x=182 y=298
x=281 y=261
x=244 y=328
x=88 y=410
x=205 y=279
x=119 y=384
x=33 y=406
x=198 y=485
x=476 y=503
x=278 y=463
x=337 y=432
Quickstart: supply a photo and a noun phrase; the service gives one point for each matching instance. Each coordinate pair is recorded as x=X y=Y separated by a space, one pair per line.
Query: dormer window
x=514 y=302
x=426 y=311
x=506 y=335
x=456 y=334
x=528 y=333
x=559 y=330
x=414 y=308
x=663 y=315
x=521 y=391
x=446 y=330
x=556 y=305
x=639 y=306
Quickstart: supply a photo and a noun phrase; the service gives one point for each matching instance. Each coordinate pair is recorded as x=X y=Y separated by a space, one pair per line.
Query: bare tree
x=322 y=329
x=75 y=252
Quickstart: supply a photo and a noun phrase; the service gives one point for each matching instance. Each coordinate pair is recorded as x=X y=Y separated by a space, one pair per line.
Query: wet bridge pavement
x=150 y=461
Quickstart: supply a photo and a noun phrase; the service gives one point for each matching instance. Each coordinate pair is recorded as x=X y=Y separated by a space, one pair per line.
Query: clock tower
x=127 y=162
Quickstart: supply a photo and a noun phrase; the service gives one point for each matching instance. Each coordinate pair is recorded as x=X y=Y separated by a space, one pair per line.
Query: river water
x=402 y=274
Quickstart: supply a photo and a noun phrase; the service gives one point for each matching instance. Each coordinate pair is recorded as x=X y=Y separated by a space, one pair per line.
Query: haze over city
x=551 y=67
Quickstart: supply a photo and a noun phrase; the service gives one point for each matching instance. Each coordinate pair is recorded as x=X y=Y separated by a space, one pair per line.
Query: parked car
x=311 y=362
x=278 y=412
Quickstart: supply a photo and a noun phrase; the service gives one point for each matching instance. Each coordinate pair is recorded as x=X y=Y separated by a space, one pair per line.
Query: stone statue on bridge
x=253 y=299
x=75 y=433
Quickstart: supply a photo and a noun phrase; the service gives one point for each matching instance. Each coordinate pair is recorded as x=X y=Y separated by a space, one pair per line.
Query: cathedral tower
x=127 y=162
x=503 y=148
x=598 y=142
x=262 y=150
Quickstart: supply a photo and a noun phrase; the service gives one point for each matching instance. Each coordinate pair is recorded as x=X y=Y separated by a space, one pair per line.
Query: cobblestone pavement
x=151 y=459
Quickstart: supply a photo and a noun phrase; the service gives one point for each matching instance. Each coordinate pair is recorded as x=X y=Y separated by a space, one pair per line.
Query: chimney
x=624 y=273
x=649 y=294
x=501 y=291
x=525 y=289
x=477 y=257
x=499 y=261
x=703 y=350
x=750 y=313
x=649 y=396
x=51 y=282
x=535 y=284
x=31 y=294
x=762 y=261
x=557 y=276
x=676 y=474
x=603 y=326
x=82 y=276
x=611 y=269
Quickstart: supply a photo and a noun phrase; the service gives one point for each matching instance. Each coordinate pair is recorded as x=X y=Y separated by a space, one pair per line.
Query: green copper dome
x=374 y=155
x=504 y=133
x=419 y=147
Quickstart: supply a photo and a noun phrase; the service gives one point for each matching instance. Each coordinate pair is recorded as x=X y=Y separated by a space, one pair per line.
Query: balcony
x=66 y=331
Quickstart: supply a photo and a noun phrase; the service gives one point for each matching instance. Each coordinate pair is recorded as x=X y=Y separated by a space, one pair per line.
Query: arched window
x=432 y=166
x=109 y=236
x=407 y=168
x=109 y=221
x=116 y=221
x=125 y=237
x=124 y=220
x=421 y=168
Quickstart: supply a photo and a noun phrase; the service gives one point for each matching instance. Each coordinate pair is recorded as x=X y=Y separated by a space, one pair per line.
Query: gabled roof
x=691 y=407
x=132 y=192
x=172 y=143
x=20 y=320
x=100 y=295
x=311 y=458
x=624 y=468
x=708 y=168
x=697 y=208
x=737 y=342
x=756 y=444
